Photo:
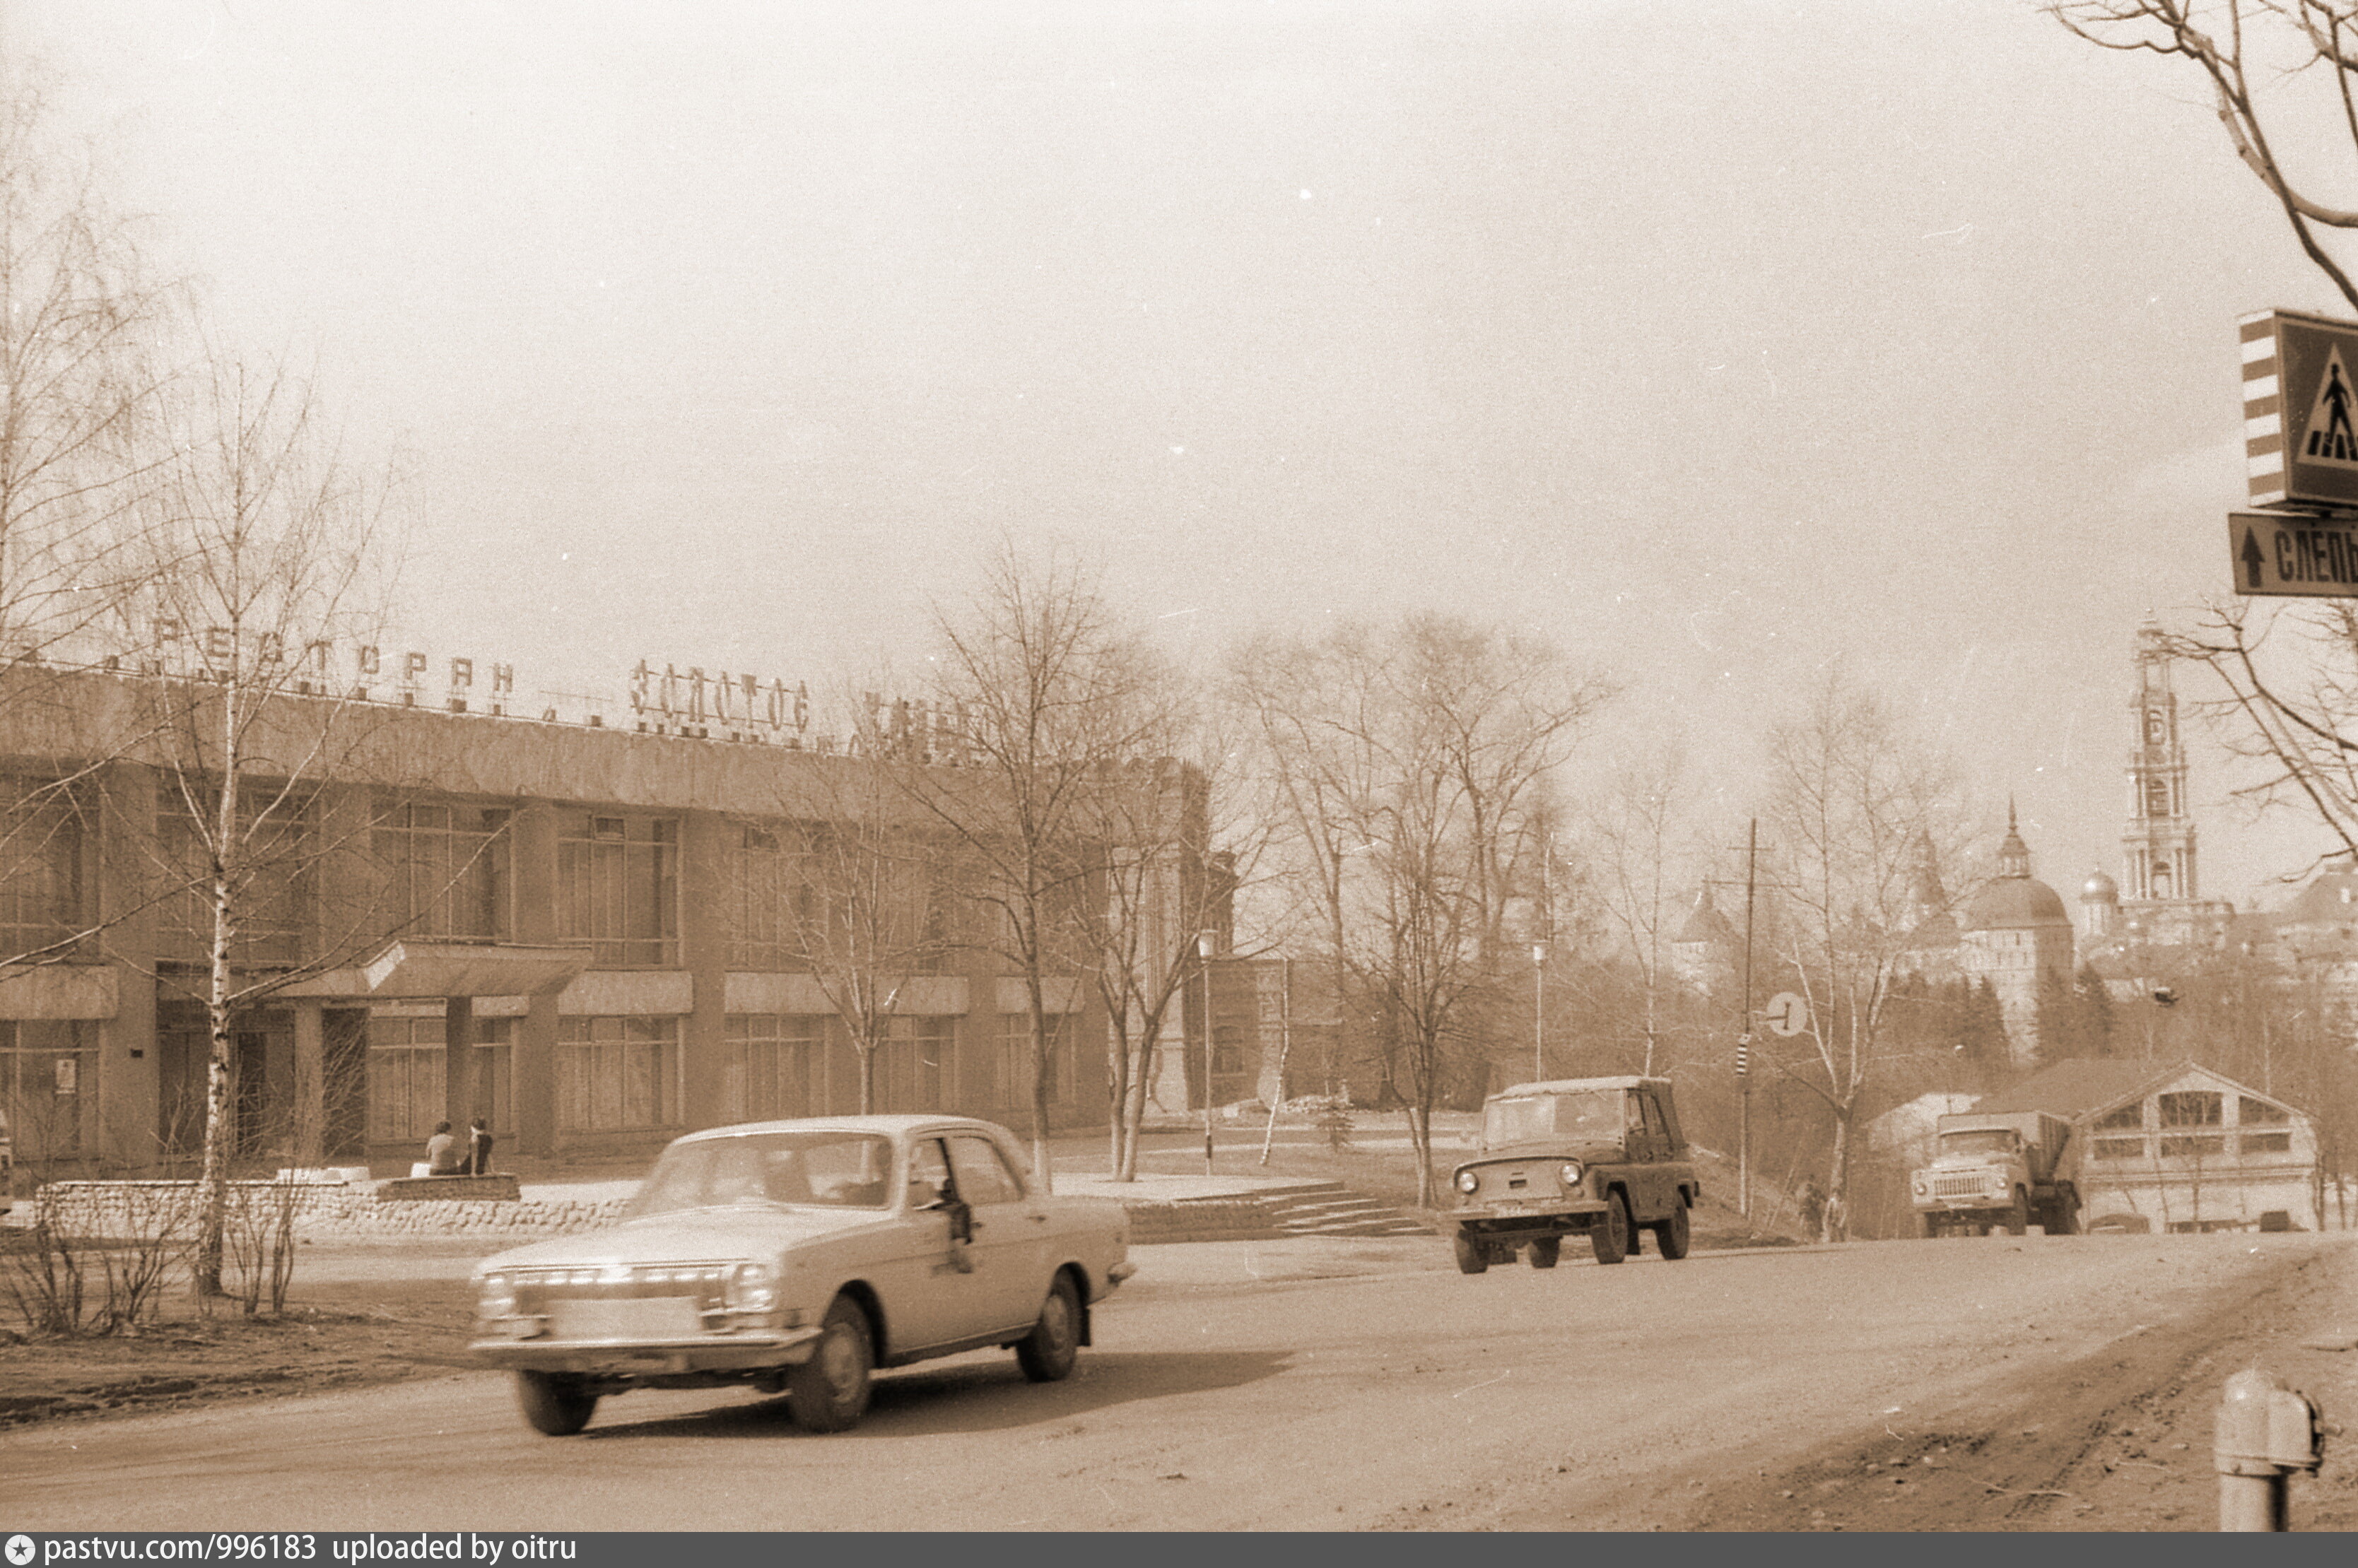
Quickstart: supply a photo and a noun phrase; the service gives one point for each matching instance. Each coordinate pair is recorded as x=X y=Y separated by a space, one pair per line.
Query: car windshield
x=1592 y=1115
x=1980 y=1141
x=813 y=1169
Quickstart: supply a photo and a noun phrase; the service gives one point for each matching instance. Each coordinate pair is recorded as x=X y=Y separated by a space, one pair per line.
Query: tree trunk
x=1833 y=1220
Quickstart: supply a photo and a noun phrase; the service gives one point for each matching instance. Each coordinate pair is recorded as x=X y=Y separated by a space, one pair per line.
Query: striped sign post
x=2301 y=410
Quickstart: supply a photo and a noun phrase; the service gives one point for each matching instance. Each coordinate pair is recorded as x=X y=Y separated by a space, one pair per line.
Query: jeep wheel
x=1671 y=1235
x=555 y=1403
x=1473 y=1257
x=1546 y=1250
x=1610 y=1233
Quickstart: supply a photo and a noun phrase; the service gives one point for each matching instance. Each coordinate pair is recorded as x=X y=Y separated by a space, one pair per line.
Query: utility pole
x=1743 y=1038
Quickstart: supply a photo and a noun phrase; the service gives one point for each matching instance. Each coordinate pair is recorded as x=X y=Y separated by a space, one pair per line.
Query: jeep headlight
x=495 y=1295
x=752 y=1287
x=1467 y=1183
x=1569 y=1172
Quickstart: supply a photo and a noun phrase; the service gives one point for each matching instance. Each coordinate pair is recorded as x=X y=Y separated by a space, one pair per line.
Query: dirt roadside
x=2118 y=1441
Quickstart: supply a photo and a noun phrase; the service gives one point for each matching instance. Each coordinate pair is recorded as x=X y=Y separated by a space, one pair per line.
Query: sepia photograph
x=1040 y=766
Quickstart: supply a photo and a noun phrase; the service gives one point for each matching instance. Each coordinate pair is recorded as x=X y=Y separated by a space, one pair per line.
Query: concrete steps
x=1329 y=1209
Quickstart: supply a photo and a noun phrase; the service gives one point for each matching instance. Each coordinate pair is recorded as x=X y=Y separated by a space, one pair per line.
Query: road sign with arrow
x=2289 y=552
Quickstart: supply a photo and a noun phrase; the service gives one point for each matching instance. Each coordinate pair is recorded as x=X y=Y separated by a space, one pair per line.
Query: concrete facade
x=570 y=930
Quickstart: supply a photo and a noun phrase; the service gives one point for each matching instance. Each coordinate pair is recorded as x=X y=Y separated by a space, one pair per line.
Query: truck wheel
x=1931 y=1226
x=2017 y=1218
x=555 y=1403
x=1671 y=1236
x=1546 y=1250
x=1473 y=1257
x=1610 y=1233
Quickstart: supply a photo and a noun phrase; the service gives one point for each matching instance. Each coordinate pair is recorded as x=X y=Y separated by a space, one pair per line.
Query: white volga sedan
x=798 y=1257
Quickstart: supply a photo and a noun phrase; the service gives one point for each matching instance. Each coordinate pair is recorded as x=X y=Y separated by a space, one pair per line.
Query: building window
x=2192 y=1108
x=913 y=1063
x=617 y=1074
x=2261 y=1113
x=1011 y=1083
x=769 y=1065
x=769 y=896
x=617 y=888
x=2194 y=1146
x=445 y=868
x=273 y=901
x=40 y=868
x=45 y=1090
x=407 y=1092
x=2116 y=1149
x=2130 y=1115
x=2266 y=1142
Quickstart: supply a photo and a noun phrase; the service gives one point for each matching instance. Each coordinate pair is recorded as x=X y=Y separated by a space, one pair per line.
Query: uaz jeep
x=1599 y=1156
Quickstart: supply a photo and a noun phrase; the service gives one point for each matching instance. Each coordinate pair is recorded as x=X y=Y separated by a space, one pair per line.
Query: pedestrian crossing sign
x=2301 y=410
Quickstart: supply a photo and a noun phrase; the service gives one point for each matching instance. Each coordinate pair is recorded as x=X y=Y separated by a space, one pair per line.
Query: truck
x=1992 y=1169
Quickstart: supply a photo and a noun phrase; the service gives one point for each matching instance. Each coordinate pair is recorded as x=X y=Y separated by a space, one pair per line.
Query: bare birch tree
x=1853 y=803
x=264 y=539
x=1414 y=766
x=1052 y=697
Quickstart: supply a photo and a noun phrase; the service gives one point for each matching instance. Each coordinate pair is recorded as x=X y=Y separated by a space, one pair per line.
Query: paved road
x=1397 y=1393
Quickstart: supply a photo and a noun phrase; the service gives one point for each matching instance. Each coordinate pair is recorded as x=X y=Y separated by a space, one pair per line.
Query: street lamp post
x=1204 y=954
x=1538 y=1011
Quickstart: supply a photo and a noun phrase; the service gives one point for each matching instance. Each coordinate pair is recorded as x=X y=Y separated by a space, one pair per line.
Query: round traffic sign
x=1786 y=1013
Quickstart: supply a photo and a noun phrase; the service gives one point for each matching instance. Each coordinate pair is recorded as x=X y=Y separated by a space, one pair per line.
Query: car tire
x=554 y=1404
x=829 y=1391
x=1673 y=1236
x=1546 y=1251
x=1048 y=1352
x=1473 y=1256
x=1610 y=1235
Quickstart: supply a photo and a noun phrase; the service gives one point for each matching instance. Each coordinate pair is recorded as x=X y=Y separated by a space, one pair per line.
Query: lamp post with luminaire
x=1204 y=954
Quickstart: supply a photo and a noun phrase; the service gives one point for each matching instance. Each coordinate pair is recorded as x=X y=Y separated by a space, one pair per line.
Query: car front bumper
x=657 y=1358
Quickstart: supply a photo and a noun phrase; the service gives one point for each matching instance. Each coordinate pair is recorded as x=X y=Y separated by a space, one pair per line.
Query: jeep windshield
x=1590 y=1115
x=799 y=1169
x=1981 y=1140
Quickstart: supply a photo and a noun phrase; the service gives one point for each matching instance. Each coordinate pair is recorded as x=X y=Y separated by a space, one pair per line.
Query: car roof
x=1561 y=1086
x=901 y=1126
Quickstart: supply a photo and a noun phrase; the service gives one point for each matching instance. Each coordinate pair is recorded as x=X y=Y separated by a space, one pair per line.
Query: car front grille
x=538 y=1290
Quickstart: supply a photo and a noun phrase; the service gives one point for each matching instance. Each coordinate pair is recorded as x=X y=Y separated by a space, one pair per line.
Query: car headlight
x=495 y=1295
x=1570 y=1172
x=1468 y=1181
x=752 y=1287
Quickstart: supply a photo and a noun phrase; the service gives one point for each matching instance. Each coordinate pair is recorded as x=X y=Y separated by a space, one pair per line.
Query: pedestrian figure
x=2339 y=440
x=479 y=1149
x=443 y=1156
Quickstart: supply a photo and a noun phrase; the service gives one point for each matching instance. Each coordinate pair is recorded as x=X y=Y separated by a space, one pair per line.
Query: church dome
x=2100 y=889
x=2015 y=903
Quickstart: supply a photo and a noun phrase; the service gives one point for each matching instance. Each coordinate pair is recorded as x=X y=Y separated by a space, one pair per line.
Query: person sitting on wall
x=479 y=1149
x=443 y=1157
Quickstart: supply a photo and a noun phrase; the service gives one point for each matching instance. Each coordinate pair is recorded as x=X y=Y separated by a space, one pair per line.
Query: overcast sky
x=1716 y=341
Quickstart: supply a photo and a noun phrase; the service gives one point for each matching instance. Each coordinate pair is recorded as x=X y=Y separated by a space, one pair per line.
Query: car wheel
x=555 y=1403
x=1546 y=1250
x=1048 y=1352
x=829 y=1391
x=1610 y=1232
x=1671 y=1236
x=1473 y=1257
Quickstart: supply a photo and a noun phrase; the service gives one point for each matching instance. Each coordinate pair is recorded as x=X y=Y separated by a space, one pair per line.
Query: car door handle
x=1039 y=1219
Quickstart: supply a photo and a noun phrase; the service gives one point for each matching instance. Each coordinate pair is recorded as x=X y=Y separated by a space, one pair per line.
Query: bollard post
x=2266 y=1429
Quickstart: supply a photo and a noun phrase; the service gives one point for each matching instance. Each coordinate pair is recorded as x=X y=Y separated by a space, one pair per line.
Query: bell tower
x=2158 y=849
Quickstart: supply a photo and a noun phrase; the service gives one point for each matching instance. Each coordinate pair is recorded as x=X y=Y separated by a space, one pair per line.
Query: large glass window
x=445 y=868
x=617 y=888
x=1013 y=1082
x=768 y=1067
x=617 y=1074
x=912 y=1064
x=272 y=894
x=46 y=1090
x=40 y=868
x=406 y=1085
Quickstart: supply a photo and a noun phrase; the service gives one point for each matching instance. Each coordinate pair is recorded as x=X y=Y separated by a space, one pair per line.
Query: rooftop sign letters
x=2301 y=412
